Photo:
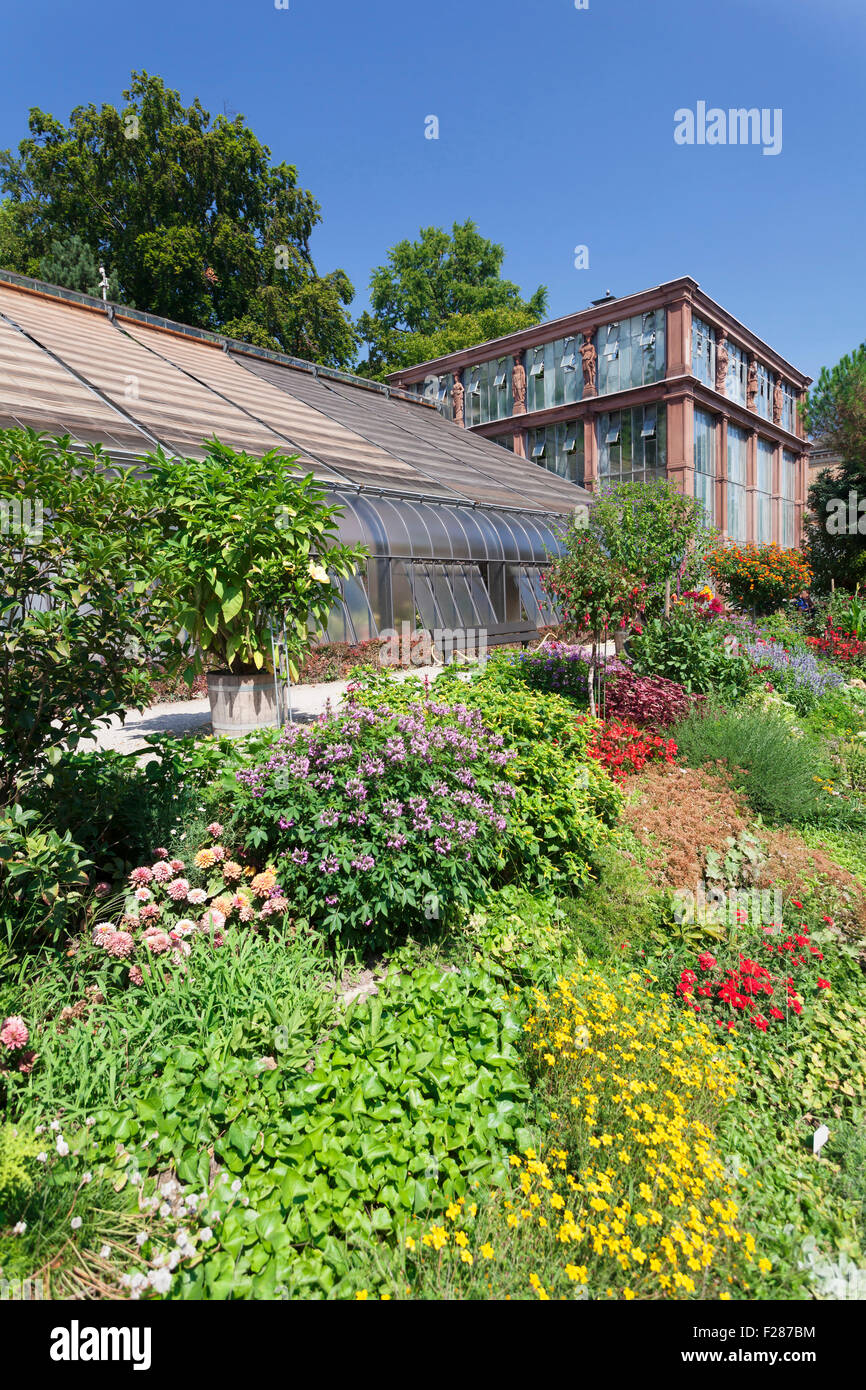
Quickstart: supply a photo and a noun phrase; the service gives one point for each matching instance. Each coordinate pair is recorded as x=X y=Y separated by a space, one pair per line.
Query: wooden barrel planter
x=240 y=704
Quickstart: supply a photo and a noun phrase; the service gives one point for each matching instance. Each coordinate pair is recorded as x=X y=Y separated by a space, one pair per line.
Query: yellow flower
x=765 y=1266
x=410 y=1244
x=487 y=1251
x=362 y=1295
x=461 y=1238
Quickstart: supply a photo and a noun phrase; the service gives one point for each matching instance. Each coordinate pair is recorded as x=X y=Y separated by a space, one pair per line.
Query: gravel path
x=193 y=716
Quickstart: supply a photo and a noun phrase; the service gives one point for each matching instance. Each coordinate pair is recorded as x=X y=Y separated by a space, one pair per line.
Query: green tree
x=441 y=282
x=188 y=213
x=655 y=532
x=835 y=527
x=76 y=627
x=72 y=264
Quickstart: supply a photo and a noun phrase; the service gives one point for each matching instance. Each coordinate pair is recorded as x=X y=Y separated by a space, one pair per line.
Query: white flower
x=90 y=1121
x=41 y=1158
x=141 y=1238
x=19 y=1228
x=138 y=1280
x=55 y=1125
x=38 y=1129
x=236 y=1185
x=75 y=1222
x=160 y=1280
x=62 y=1146
x=86 y=1177
x=165 y=1209
x=206 y=1233
x=105 y=1252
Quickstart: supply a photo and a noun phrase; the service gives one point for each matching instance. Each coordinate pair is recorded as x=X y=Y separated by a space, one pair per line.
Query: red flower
x=823 y=984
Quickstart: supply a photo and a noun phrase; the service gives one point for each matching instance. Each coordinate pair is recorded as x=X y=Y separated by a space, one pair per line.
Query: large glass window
x=789 y=408
x=631 y=352
x=763 y=519
x=488 y=391
x=766 y=386
x=703 y=351
x=738 y=443
x=438 y=390
x=554 y=375
x=632 y=445
x=787 y=494
x=738 y=371
x=705 y=462
x=559 y=448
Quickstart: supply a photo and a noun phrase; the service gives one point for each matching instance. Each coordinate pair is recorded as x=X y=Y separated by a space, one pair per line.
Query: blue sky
x=556 y=130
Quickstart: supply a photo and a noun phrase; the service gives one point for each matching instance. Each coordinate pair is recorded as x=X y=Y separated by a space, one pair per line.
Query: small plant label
x=819 y=1138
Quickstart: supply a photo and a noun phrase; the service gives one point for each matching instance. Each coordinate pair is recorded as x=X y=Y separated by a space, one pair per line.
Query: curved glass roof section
x=416 y=489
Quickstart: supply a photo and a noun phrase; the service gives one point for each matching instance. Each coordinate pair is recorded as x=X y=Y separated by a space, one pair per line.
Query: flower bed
x=623 y=748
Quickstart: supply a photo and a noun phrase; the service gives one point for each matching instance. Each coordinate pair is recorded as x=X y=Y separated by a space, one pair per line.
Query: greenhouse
x=457 y=528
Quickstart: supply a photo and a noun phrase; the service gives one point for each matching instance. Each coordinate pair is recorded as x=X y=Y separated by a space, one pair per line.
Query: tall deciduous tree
x=835 y=529
x=189 y=213
x=440 y=284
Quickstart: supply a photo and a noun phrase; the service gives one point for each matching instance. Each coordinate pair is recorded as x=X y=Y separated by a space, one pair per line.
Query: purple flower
x=329 y=865
x=329 y=817
x=300 y=856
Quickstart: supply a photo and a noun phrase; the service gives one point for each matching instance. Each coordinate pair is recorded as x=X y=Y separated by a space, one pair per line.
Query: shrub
x=378 y=818
x=691 y=649
x=653 y=531
x=115 y=809
x=73 y=574
x=43 y=878
x=760 y=577
x=777 y=769
x=560 y=669
x=648 y=700
x=241 y=538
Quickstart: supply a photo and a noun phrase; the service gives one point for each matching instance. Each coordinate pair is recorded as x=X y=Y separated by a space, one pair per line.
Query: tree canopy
x=439 y=293
x=835 y=415
x=187 y=213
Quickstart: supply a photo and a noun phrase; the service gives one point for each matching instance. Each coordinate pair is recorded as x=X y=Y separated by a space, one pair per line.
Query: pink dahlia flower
x=141 y=875
x=160 y=853
x=135 y=975
x=177 y=865
x=178 y=889
x=162 y=872
x=215 y=829
x=197 y=896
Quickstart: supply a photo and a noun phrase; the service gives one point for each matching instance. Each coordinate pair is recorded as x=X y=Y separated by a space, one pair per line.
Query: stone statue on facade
x=752 y=385
x=518 y=387
x=722 y=358
x=589 y=358
x=778 y=402
x=457 y=399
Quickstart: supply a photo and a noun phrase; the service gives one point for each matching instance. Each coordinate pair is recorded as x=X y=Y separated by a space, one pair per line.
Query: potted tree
x=243 y=538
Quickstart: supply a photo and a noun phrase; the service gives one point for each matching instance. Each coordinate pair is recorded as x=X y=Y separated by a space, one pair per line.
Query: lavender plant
x=795 y=674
